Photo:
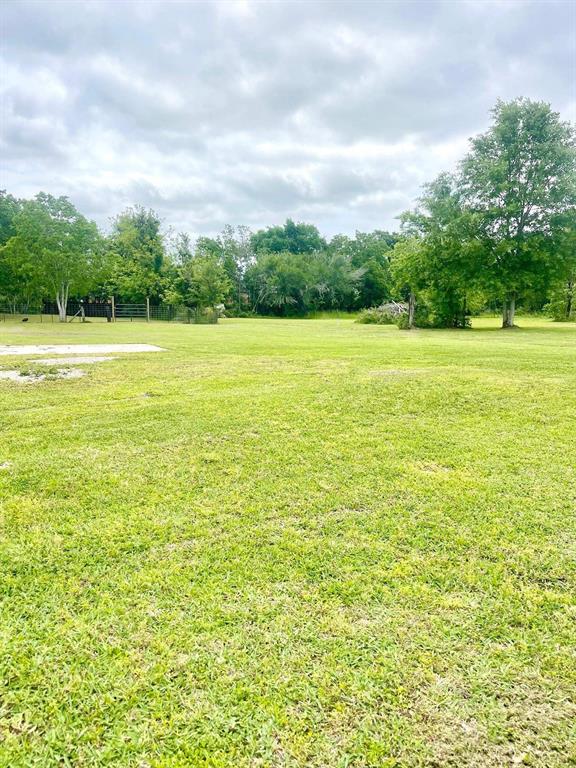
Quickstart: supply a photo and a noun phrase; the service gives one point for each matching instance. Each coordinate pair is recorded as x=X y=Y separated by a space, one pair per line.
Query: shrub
x=562 y=306
x=385 y=314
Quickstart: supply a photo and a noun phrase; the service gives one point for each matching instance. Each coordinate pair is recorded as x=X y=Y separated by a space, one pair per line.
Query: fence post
x=113 y=310
x=147 y=309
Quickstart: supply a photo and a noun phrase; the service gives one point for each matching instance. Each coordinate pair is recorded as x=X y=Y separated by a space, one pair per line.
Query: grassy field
x=291 y=544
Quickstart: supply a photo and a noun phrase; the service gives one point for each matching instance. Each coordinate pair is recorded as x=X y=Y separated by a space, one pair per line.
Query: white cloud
x=242 y=112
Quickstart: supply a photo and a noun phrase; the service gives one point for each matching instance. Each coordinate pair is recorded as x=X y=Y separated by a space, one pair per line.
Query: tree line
x=498 y=231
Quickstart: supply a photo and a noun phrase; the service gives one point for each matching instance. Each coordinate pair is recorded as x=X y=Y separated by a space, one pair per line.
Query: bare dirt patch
x=33 y=378
x=72 y=360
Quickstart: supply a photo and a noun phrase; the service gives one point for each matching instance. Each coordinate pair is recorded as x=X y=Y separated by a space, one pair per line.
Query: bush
x=386 y=314
x=433 y=310
x=562 y=306
x=402 y=322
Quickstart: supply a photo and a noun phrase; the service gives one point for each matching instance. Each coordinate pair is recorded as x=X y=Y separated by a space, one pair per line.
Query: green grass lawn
x=291 y=544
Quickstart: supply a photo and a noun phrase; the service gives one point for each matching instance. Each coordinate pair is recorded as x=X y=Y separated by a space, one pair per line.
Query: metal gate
x=130 y=312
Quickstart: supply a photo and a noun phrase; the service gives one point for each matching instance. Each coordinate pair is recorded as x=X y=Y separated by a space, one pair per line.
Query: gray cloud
x=244 y=112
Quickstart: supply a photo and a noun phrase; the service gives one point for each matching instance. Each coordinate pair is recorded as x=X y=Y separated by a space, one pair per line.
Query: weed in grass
x=36 y=371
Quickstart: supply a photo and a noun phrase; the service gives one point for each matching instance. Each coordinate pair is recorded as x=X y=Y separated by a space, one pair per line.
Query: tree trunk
x=512 y=310
x=505 y=314
x=411 y=310
x=509 y=310
x=569 y=299
x=62 y=301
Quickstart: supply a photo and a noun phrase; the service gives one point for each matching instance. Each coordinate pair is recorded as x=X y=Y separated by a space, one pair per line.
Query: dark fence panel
x=165 y=312
x=103 y=309
x=131 y=312
x=10 y=308
x=91 y=308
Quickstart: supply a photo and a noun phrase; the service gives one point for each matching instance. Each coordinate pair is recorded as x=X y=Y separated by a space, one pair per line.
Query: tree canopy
x=517 y=181
x=499 y=227
x=289 y=238
x=53 y=250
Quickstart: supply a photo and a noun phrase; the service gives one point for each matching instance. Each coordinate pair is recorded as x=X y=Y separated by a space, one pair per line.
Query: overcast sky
x=246 y=113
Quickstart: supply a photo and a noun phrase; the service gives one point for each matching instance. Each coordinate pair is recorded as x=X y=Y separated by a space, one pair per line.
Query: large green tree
x=205 y=282
x=409 y=272
x=182 y=249
x=290 y=238
x=296 y=283
x=517 y=181
x=278 y=283
x=10 y=206
x=562 y=296
x=55 y=249
x=138 y=253
x=237 y=255
x=443 y=277
x=368 y=254
x=331 y=281
x=15 y=284
x=233 y=249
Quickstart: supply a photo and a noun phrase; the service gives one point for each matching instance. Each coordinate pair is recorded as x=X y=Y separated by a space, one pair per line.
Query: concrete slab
x=76 y=349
